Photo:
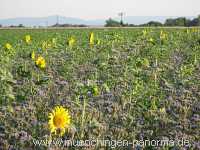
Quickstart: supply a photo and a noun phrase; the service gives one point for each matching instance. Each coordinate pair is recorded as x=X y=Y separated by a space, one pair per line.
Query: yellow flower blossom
x=151 y=40
x=162 y=110
x=71 y=41
x=27 y=39
x=91 y=40
x=8 y=46
x=33 y=55
x=59 y=120
x=40 y=62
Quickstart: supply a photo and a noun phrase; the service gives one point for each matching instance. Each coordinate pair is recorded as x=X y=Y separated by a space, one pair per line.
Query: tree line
x=180 y=21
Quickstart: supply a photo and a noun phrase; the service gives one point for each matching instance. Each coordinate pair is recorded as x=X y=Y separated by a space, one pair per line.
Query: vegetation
x=153 y=24
x=69 y=25
x=17 y=26
x=181 y=21
x=114 y=84
x=112 y=23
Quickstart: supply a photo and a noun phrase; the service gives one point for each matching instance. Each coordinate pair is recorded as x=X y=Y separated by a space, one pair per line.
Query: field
x=113 y=84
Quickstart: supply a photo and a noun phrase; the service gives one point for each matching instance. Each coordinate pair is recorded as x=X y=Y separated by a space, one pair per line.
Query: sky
x=97 y=9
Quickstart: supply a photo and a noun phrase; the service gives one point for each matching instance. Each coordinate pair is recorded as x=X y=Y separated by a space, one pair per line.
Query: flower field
x=80 y=84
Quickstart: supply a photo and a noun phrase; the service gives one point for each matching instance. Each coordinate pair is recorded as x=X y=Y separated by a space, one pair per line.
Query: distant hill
x=51 y=20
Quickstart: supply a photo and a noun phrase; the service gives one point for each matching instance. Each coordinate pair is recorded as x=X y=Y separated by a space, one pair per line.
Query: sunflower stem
x=83 y=117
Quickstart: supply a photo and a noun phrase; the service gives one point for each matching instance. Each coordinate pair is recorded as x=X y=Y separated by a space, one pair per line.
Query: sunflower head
x=151 y=40
x=27 y=39
x=91 y=40
x=8 y=46
x=71 y=41
x=40 y=62
x=59 y=120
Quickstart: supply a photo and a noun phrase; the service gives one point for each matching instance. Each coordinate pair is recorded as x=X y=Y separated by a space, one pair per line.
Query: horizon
x=115 y=17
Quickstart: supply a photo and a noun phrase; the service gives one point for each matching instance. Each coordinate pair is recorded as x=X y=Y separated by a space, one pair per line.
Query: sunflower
x=8 y=46
x=46 y=45
x=59 y=120
x=40 y=62
x=71 y=41
x=33 y=55
x=162 y=110
x=98 y=42
x=163 y=35
x=91 y=40
x=151 y=40
x=144 y=32
x=27 y=39
x=188 y=31
x=54 y=42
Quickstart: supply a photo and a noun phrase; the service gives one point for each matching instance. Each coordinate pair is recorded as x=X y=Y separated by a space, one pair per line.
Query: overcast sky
x=97 y=9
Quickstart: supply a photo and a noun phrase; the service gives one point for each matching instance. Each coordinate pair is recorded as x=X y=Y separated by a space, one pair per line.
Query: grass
x=128 y=85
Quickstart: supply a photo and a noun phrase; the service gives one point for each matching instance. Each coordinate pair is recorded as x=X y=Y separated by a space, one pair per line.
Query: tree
x=169 y=22
x=112 y=23
x=20 y=25
x=187 y=22
x=153 y=24
x=195 y=21
x=181 y=21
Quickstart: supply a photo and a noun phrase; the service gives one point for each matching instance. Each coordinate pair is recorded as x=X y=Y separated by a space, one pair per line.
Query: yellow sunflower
x=40 y=62
x=91 y=40
x=28 y=39
x=8 y=46
x=33 y=55
x=59 y=120
x=71 y=41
